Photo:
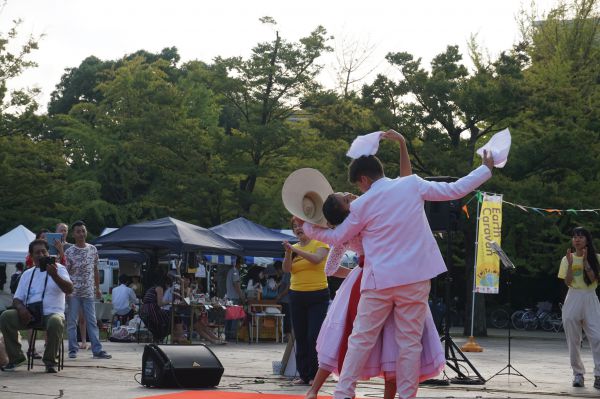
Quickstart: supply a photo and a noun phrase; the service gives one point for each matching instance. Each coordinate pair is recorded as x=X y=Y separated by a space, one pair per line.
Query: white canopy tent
x=14 y=245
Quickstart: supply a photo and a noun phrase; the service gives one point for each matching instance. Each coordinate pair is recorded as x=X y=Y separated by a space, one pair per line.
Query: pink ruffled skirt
x=385 y=352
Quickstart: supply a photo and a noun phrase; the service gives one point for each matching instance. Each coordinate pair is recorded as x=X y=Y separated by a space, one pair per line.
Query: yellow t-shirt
x=578 y=281
x=307 y=276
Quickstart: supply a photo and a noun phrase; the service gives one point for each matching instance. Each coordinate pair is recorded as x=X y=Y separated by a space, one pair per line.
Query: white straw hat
x=303 y=194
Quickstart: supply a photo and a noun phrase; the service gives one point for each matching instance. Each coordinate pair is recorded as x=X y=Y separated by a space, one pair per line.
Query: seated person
x=152 y=312
x=136 y=286
x=48 y=285
x=269 y=290
x=254 y=286
x=183 y=313
x=123 y=300
x=202 y=328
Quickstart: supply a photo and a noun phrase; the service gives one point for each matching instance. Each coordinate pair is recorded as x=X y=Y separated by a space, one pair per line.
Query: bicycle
x=530 y=319
x=499 y=318
x=553 y=322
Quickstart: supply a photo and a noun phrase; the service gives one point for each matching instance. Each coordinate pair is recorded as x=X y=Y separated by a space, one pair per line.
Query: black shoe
x=597 y=382
x=51 y=368
x=12 y=366
x=102 y=355
x=578 y=381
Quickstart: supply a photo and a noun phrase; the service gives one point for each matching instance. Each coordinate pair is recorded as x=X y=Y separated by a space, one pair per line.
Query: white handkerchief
x=499 y=145
x=364 y=145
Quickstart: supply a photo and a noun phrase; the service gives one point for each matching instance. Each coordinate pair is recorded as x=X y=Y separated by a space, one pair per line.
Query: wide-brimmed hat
x=303 y=194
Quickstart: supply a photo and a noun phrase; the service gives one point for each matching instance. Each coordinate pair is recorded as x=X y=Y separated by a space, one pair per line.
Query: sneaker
x=12 y=366
x=597 y=382
x=578 y=381
x=102 y=355
x=72 y=355
x=50 y=367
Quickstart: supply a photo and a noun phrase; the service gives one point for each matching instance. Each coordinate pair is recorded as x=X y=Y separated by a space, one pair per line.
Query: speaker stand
x=454 y=356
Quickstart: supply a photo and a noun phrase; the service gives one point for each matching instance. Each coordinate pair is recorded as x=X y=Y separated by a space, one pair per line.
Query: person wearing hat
x=397 y=272
x=332 y=340
x=308 y=294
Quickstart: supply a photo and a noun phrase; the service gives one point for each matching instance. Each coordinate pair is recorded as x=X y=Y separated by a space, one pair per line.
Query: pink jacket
x=399 y=246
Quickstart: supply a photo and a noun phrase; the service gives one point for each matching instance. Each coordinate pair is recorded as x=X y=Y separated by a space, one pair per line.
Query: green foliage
x=260 y=94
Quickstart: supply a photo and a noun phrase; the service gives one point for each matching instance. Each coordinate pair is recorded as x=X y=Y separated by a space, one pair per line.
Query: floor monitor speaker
x=180 y=366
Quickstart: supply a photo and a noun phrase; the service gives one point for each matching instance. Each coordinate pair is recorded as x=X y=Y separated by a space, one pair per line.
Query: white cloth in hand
x=364 y=145
x=499 y=146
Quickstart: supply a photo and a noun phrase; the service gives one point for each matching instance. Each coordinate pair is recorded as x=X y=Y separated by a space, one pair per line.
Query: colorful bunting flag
x=479 y=196
x=466 y=211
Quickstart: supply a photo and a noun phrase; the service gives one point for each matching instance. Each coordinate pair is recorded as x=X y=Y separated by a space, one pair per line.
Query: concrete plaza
x=540 y=356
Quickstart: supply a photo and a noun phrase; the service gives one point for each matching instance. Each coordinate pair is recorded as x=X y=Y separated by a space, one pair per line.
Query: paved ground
x=542 y=357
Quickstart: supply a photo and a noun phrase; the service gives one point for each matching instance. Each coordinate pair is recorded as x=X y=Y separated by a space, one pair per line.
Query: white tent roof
x=108 y=230
x=14 y=245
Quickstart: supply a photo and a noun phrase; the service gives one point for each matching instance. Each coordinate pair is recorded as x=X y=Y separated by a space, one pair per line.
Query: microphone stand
x=510 y=268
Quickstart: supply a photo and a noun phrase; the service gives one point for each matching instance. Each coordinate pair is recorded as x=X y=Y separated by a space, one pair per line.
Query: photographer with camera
x=39 y=302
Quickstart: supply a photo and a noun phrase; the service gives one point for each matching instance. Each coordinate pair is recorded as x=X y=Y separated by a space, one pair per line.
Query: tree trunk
x=246 y=189
x=265 y=106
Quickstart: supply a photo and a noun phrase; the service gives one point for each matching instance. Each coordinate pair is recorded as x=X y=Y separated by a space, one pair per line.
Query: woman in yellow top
x=309 y=298
x=582 y=308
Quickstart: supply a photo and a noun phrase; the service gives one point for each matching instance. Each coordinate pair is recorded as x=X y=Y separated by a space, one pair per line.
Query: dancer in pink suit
x=401 y=256
x=332 y=340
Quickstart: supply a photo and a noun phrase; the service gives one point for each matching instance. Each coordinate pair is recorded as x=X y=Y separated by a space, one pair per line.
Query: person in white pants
x=582 y=308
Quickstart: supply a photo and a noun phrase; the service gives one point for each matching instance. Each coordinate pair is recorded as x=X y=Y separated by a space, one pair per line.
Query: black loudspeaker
x=443 y=215
x=180 y=366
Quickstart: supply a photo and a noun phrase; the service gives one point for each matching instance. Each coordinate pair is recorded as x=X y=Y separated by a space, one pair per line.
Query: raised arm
x=438 y=191
x=405 y=166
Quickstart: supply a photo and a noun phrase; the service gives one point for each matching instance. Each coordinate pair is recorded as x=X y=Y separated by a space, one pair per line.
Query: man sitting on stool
x=49 y=285
x=123 y=300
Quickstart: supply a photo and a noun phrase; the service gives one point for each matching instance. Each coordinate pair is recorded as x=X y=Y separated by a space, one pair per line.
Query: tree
x=555 y=156
x=80 y=84
x=353 y=64
x=31 y=179
x=261 y=94
x=148 y=144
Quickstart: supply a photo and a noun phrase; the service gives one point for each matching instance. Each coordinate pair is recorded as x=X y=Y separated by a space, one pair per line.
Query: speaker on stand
x=180 y=366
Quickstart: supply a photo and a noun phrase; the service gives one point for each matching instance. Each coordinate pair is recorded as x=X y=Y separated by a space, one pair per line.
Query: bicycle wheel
x=530 y=320
x=517 y=319
x=558 y=324
x=547 y=321
x=555 y=320
x=499 y=318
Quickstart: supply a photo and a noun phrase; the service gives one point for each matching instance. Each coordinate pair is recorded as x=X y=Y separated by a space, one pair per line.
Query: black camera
x=44 y=261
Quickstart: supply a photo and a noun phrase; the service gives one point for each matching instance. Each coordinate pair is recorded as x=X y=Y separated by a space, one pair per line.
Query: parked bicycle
x=530 y=319
x=499 y=318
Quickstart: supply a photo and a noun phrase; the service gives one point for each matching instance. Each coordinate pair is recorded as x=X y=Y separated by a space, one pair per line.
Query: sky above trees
x=74 y=30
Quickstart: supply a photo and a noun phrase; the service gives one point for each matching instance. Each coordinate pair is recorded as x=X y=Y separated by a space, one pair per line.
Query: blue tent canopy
x=256 y=240
x=167 y=235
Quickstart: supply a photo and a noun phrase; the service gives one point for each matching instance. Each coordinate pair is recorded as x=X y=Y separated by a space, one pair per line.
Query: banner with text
x=487 y=268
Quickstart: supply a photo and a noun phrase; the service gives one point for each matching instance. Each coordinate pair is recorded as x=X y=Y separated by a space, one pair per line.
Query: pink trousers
x=409 y=306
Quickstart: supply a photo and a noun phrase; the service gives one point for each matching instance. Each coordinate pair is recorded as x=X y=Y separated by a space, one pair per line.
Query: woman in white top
x=582 y=308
